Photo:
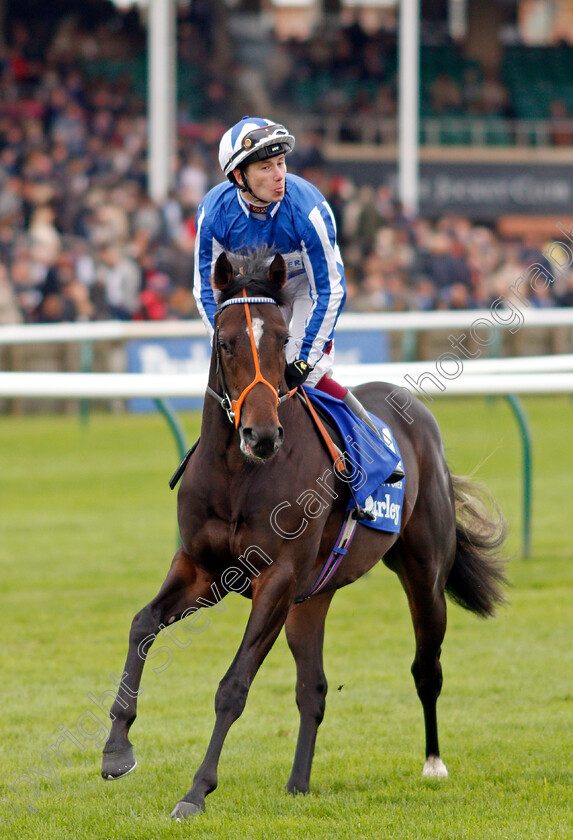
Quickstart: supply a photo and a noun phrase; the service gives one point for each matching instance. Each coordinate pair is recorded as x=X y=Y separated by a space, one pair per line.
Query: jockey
x=261 y=205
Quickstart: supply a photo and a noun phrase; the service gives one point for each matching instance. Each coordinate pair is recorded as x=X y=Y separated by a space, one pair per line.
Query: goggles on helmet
x=261 y=143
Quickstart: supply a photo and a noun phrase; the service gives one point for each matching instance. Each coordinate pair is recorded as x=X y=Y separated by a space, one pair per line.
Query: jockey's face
x=266 y=179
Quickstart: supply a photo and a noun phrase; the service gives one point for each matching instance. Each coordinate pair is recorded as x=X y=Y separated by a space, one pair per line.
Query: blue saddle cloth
x=373 y=460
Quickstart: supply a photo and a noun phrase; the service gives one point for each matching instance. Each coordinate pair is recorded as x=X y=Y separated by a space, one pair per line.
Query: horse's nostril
x=250 y=436
x=262 y=442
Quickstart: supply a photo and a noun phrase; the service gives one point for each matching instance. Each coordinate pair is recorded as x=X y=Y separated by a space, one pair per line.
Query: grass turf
x=87 y=530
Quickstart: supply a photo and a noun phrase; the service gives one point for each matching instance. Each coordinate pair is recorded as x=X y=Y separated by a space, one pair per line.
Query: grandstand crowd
x=80 y=239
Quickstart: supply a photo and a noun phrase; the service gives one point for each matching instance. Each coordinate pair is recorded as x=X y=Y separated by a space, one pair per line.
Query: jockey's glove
x=296 y=372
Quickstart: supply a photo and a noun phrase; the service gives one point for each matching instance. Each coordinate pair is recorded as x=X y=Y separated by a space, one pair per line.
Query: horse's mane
x=251 y=273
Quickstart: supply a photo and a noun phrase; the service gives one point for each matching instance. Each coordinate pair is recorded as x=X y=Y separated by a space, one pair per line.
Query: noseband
x=233 y=407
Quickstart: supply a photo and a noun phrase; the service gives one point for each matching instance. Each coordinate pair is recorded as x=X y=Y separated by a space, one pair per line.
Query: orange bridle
x=233 y=407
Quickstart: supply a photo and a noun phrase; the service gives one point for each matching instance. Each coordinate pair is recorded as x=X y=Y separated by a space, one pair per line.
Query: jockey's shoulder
x=221 y=200
x=219 y=197
x=303 y=190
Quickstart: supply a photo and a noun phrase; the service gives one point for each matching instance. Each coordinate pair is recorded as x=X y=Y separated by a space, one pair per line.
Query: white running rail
x=546 y=375
x=348 y=322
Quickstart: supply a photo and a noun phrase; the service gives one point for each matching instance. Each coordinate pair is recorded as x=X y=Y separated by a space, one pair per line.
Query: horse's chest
x=230 y=527
x=254 y=507
x=218 y=544
x=209 y=542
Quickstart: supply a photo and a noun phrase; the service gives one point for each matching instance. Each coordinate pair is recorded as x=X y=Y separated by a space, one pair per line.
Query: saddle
x=331 y=439
x=380 y=506
x=330 y=434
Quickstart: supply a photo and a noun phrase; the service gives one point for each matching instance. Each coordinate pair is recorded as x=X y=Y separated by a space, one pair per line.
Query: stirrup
x=360 y=514
x=396 y=476
x=357 y=408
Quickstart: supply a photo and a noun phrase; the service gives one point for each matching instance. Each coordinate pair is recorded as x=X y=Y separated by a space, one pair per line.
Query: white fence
x=547 y=374
x=384 y=321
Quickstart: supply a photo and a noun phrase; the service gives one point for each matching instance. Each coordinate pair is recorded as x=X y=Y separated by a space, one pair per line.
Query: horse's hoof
x=183 y=810
x=435 y=768
x=116 y=764
x=294 y=788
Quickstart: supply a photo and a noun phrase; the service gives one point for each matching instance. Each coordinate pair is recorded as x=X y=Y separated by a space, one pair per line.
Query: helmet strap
x=247 y=188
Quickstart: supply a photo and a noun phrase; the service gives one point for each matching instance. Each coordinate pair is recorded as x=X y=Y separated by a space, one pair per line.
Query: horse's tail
x=477 y=579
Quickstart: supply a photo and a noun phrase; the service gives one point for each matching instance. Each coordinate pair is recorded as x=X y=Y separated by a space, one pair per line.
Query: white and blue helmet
x=252 y=139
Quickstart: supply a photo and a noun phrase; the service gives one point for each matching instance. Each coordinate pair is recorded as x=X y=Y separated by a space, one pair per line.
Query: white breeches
x=296 y=315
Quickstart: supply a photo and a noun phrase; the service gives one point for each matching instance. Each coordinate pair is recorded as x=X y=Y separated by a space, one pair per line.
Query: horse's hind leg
x=424 y=586
x=184 y=583
x=305 y=635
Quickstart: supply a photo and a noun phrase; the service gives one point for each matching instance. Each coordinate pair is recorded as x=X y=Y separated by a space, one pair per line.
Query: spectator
x=446 y=264
x=119 y=279
x=154 y=298
x=495 y=100
x=566 y=297
x=193 y=182
x=562 y=123
x=472 y=91
x=446 y=95
x=10 y=312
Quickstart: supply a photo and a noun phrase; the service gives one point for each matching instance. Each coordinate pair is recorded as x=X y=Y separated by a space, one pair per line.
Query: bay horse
x=259 y=510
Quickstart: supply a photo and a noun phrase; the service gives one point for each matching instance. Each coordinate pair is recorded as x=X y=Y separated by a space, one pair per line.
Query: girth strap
x=334 y=451
x=336 y=555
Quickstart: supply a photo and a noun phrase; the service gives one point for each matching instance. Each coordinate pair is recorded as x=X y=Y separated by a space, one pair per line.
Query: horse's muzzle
x=261 y=443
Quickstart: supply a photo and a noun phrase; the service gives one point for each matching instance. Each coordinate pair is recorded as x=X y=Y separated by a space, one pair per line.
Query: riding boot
x=358 y=409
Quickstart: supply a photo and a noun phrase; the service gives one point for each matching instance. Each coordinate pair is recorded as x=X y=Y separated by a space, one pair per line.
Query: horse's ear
x=277 y=273
x=223 y=273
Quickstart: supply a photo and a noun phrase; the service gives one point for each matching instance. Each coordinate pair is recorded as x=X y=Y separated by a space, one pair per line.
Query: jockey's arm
x=325 y=272
x=207 y=249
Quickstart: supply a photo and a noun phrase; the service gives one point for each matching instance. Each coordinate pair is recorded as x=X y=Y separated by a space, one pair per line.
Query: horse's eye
x=286 y=340
x=225 y=347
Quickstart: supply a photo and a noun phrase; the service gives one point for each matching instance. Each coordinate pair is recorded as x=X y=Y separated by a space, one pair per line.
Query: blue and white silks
x=302 y=228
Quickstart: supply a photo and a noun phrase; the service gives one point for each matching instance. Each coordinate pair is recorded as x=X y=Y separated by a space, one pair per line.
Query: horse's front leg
x=184 y=584
x=305 y=635
x=272 y=597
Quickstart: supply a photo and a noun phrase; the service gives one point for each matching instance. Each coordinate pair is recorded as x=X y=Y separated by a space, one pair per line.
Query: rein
x=233 y=407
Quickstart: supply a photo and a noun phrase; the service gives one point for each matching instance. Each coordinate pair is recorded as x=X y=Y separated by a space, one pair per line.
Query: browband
x=246 y=300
